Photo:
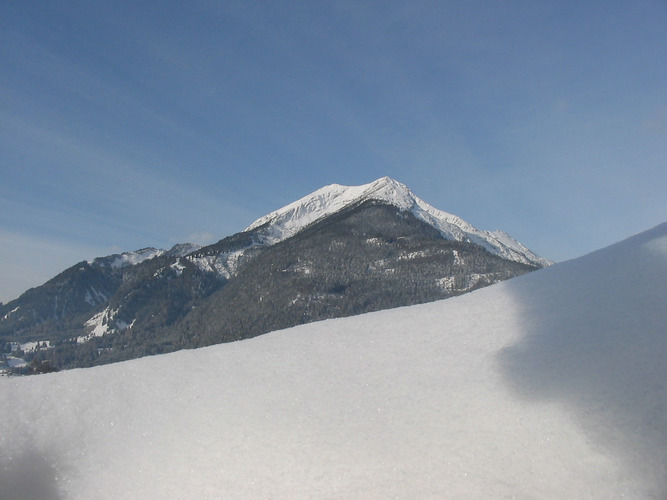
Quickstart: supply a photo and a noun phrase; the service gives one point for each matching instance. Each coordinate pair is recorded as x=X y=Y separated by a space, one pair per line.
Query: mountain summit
x=292 y=218
x=340 y=251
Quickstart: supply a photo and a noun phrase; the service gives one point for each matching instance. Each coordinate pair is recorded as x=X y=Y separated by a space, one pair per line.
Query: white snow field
x=551 y=385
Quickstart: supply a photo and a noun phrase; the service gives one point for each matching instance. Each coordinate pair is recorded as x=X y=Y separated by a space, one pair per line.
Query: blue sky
x=132 y=124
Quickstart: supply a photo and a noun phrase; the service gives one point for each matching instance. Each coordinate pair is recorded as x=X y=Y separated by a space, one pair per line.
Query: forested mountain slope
x=337 y=252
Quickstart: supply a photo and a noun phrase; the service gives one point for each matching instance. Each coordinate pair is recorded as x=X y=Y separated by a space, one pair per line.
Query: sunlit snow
x=551 y=385
x=292 y=218
x=136 y=257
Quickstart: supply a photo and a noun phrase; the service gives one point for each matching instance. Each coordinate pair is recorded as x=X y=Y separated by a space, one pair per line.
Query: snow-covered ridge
x=133 y=258
x=292 y=218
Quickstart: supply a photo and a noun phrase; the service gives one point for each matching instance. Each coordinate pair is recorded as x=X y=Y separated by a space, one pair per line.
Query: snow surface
x=292 y=218
x=550 y=385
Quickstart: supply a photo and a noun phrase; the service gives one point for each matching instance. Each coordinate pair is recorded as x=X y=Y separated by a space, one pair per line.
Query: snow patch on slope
x=94 y=296
x=224 y=264
x=35 y=345
x=6 y=316
x=125 y=259
x=177 y=267
x=97 y=326
x=182 y=249
x=103 y=323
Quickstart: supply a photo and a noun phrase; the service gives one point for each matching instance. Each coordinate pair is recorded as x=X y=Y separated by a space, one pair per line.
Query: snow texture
x=550 y=385
x=292 y=218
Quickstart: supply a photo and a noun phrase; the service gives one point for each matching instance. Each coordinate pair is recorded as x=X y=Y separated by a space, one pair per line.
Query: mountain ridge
x=291 y=218
x=339 y=251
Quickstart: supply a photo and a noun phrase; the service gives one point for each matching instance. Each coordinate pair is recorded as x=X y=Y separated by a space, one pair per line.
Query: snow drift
x=551 y=385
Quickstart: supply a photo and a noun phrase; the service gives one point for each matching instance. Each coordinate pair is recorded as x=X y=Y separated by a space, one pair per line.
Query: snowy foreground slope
x=551 y=385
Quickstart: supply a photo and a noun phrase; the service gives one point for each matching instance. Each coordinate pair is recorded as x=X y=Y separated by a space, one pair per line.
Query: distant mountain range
x=340 y=251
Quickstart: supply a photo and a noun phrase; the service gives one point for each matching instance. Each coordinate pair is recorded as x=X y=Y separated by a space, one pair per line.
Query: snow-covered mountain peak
x=289 y=220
